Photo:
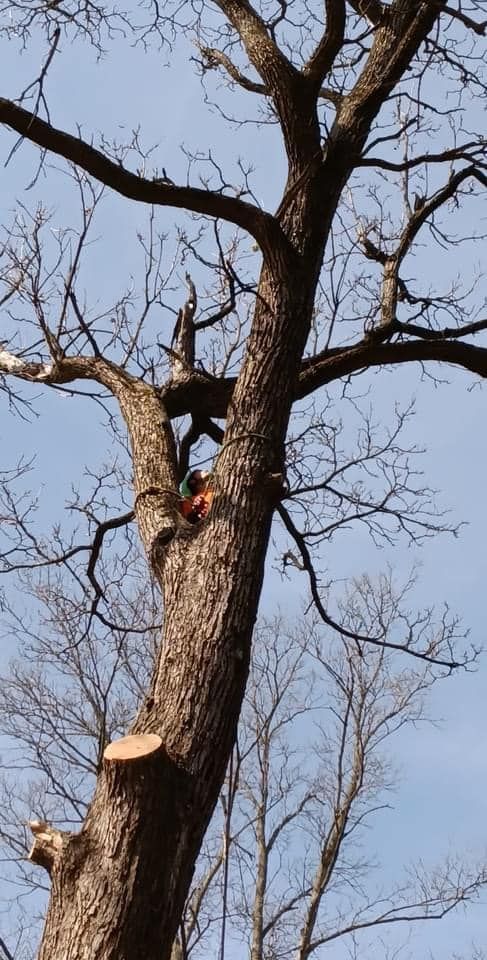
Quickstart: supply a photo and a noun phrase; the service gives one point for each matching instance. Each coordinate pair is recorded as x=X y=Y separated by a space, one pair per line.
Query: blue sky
x=442 y=801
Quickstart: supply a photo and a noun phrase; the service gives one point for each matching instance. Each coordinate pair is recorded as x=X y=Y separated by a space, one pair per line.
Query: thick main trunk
x=118 y=887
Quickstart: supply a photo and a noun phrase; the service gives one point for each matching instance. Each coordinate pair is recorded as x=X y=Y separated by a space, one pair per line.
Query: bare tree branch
x=321 y=61
x=479 y=28
x=259 y=224
x=472 y=151
x=5 y=949
x=338 y=363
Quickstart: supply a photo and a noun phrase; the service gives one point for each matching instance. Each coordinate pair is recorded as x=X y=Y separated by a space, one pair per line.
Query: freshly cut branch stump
x=47 y=846
x=132 y=748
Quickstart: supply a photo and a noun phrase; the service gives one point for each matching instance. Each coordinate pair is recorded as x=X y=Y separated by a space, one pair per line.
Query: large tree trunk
x=118 y=887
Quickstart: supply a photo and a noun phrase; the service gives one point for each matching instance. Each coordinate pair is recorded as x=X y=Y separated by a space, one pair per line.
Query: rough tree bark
x=119 y=886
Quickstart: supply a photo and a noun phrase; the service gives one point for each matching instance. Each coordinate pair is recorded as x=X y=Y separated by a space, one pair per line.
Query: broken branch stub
x=47 y=844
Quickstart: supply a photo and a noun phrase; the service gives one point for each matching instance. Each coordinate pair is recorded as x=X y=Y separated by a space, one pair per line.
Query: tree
x=311 y=772
x=345 y=93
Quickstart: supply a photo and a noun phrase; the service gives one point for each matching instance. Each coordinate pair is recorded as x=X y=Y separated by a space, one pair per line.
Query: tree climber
x=197 y=495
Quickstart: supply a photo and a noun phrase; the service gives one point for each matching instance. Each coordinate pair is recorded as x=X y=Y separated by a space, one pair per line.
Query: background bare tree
x=373 y=106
